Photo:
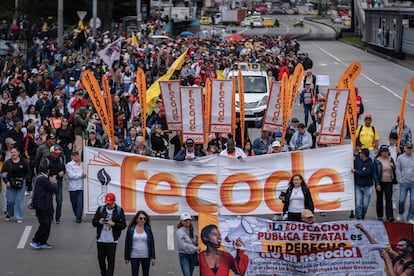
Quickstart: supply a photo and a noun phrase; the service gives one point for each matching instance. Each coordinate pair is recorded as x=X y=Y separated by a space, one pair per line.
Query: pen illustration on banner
x=241 y=230
x=104 y=178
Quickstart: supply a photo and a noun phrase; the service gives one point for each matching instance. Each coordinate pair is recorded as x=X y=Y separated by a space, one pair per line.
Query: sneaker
x=26 y=193
x=35 y=245
x=398 y=218
x=7 y=218
x=57 y=221
x=46 y=246
x=352 y=215
x=410 y=221
x=78 y=220
x=19 y=221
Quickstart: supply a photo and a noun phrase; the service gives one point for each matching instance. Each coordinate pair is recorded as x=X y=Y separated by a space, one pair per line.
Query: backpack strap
x=408 y=264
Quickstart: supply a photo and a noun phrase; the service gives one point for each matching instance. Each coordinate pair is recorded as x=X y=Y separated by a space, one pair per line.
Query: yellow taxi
x=270 y=22
x=206 y=20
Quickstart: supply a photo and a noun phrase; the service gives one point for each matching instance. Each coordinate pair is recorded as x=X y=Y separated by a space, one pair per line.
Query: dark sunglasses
x=142 y=218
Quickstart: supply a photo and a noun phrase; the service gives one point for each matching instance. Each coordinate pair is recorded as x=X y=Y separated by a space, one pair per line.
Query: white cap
x=275 y=144
x=185 y=216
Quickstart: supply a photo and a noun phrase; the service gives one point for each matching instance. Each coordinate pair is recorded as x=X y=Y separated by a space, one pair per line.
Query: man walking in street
x=75 y=174
x=405 y=178
x=364 y=180
x=109 y=220
x=43 y=204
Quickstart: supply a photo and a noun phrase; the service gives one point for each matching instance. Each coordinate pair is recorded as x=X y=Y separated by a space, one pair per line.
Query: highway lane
x=380 y=84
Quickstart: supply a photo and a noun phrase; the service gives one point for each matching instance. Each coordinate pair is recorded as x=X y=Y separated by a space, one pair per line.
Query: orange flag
x=233 y=91
x=241 y=105
x=109 y=108
x=412 y=84
x=285 y=100
x=142 y=94
x=347 y=81
x=207 y=109
x=402 y=113
x=295 y=84
x=95 y=94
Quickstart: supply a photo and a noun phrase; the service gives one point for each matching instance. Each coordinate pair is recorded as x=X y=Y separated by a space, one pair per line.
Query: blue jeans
x=15 y=202
x=404 y=189
x=76 y=198
x=59 y=199
x=307 y=109
x=187 y=263
x=362 y=197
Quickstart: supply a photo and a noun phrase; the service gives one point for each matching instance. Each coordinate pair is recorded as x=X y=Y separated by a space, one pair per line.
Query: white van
x=256 y=90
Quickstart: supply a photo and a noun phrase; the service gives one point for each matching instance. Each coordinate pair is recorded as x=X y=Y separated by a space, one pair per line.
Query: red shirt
x=227 y=263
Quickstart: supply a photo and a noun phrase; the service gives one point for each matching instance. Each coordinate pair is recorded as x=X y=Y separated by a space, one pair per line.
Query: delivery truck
x=233 y=17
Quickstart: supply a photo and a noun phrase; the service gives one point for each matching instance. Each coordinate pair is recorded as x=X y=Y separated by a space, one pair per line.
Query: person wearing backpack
x=109 y=220
x=368 y=136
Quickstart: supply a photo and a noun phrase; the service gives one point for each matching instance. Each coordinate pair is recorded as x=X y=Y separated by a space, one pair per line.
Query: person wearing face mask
x=109 y=220
x=232 y=150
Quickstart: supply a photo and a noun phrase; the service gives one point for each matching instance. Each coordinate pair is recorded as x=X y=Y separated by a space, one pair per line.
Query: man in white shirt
x=232 y=150
x=75 y=175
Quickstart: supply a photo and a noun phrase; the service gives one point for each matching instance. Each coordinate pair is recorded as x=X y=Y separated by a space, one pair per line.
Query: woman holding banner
x=216 y=262
x=296 y=198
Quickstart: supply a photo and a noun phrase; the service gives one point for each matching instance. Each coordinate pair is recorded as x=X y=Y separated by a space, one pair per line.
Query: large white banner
x=170 y=91
x=273 y=119
x=333 y=121
x=218 y=184
x=295 y=248
x=222 y=106
x=192 y=113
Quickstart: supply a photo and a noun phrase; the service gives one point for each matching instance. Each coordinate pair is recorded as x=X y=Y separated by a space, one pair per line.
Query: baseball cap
x=10 y=141
x=110 y=198
x=295 y=120
x=307 y=213
x=278 y=133
x=50 y=136
x=275 y=144
x=189 y=142
x=368 y=116
x=55 y=149
x=384 y=148
x=185 y=216
x=409 y=145
x=72 y=79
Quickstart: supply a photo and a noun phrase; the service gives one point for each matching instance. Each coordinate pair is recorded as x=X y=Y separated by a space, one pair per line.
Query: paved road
x=381 y=85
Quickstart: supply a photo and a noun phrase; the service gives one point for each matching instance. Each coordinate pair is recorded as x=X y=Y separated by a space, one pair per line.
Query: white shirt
x=74 y=172
x=297 y=201
x=139 y=245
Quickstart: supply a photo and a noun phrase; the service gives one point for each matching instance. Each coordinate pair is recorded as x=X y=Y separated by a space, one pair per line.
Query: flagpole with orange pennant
x=109 y=108
x=233 y=91
x=142 y=94
x=241 y=105
x=95 y=94
x=346 y=81
x=285 y=100
x=294 y=85
x=402 y=113
x=207 y=109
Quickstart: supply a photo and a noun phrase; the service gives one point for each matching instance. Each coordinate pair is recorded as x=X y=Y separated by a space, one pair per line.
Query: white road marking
x=365 y=76
x=24 y=237
x=287 y=28
x=170 y=237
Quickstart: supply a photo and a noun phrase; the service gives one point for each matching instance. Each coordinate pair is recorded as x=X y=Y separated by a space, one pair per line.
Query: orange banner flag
x=241 y=105
x=233 y=91
x=109 y=108
x=95 y=94
x=412 y=84
x=142 y=94
x=286 y=101
x=347 y=81
x=295 y=84
x=207 y=109
x=402 y=113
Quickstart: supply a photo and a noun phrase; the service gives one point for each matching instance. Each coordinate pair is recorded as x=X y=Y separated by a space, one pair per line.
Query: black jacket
x=129 y=240
x=364 y=172
x=43 y=191
x=120 y=223
x=306 y=193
